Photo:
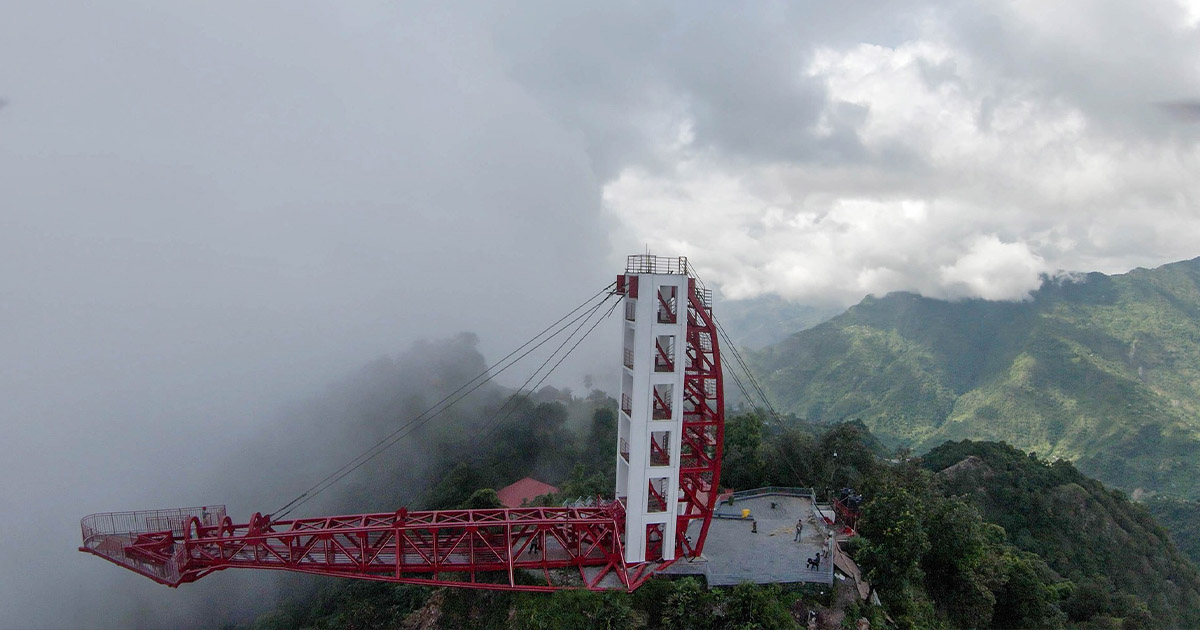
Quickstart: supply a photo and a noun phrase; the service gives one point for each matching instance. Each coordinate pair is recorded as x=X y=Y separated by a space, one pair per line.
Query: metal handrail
x=149 y=521
x=109 y=534
x=650 y=263
x=784 y=490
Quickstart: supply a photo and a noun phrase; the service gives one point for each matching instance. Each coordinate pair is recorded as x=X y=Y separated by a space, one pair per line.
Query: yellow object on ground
x=745 y=512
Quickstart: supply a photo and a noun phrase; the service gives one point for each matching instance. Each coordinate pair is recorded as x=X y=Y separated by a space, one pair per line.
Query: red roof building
x=527 y=489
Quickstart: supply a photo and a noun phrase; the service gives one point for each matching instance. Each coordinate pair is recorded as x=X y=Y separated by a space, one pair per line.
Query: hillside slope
x=1102 y=370
x=1111 y=548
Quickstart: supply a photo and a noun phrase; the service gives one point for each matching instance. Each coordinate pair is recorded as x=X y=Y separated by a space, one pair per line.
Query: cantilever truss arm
x=533 y=549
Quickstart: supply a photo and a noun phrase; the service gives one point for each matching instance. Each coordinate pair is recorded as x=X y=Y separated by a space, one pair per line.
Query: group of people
x=815 y=561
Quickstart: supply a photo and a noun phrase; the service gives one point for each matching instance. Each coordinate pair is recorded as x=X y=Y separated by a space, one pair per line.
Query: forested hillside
x=1120 y=561
x=1102 y=370
x=971 y=535
x=975 y=535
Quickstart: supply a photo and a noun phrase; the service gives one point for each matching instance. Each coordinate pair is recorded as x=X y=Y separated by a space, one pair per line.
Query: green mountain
x=1120 y=560
x=1182 y=519
x=1103 y=370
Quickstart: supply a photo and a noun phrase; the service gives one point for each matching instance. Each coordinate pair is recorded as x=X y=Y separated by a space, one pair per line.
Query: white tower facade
x=650 y=420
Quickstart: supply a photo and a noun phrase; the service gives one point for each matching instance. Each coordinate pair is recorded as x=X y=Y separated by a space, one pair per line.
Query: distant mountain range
x=1103 y=370
x=765 y=320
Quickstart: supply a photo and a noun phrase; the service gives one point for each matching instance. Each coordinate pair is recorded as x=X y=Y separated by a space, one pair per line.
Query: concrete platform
x=734 y=554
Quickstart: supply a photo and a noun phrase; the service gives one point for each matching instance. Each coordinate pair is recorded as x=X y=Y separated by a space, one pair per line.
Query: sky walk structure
x=669 y=444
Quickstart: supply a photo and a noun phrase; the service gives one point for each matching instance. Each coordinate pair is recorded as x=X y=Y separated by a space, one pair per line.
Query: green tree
x=895 y=540
x=850 y=455
x=483 y=498
x=690 y=607
x=792 y=459
x=582 y=483
x=742 y=465
x=588 y=610
x=1025 y=596
x=955 y=564
x=758 y=607
x=456 y=486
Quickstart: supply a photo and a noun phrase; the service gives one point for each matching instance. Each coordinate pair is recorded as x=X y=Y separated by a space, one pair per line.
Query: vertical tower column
x=650 y=421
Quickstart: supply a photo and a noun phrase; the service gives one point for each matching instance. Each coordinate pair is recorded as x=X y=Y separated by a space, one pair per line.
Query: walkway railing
x=149 y=521
x=784 y=490
x=110 y=535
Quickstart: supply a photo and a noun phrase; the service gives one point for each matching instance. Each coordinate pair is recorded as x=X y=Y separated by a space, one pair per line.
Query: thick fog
x=213 y=213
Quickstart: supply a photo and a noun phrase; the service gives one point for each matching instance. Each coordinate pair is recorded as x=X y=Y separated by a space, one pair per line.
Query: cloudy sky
x=208 y=209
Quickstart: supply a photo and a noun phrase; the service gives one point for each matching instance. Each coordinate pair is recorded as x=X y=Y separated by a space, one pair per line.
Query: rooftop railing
x=650 y=263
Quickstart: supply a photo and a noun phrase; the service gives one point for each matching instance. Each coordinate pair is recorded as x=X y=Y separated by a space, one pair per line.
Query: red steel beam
x=449 y=547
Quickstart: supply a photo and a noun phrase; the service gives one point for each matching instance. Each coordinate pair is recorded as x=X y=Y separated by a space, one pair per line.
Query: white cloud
x=1191 y=13
x=994 y=270
x=958 y=172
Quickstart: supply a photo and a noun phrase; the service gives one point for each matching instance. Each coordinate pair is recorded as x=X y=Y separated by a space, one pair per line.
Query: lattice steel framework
x=703 y=422
x=522 y=548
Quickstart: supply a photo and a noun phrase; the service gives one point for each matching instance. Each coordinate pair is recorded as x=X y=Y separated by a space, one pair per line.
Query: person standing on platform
x=799 y=529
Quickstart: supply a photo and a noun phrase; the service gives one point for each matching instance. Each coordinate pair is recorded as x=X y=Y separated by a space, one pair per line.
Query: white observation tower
x=670 y=420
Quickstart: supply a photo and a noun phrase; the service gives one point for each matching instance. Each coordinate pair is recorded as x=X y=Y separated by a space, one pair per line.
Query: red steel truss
x=703 y=423
x=552 y=547
x=531 y=549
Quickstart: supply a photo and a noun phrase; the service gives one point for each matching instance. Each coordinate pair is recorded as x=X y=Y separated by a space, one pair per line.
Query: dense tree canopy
x=973 y=535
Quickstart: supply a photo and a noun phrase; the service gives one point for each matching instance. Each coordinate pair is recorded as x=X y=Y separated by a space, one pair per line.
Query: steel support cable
x=492 y=424
x=745 y=367
x=749 y=374
x=742 y=388
x=445 y=403
x=418 y=422
x=736 y=379
x=738 y=356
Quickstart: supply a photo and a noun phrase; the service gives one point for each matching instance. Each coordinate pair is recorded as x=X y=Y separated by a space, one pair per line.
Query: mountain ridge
x=1103 y=370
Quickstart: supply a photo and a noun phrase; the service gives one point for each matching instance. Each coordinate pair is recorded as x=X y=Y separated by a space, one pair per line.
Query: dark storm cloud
x=1110 y=59
x=627 y=74
x=1182 y=111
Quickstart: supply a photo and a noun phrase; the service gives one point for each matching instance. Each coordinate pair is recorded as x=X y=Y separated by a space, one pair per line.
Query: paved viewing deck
x=734 y=554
